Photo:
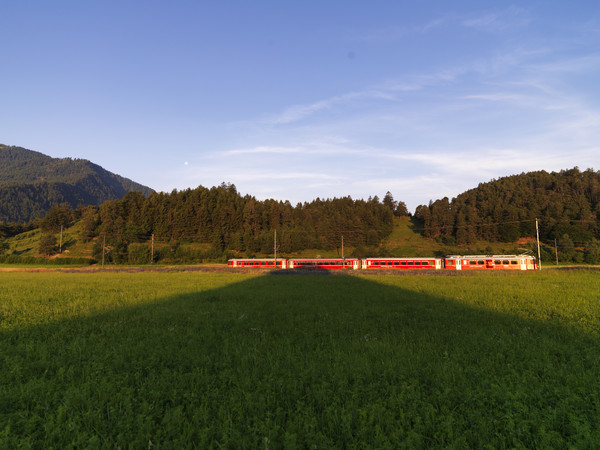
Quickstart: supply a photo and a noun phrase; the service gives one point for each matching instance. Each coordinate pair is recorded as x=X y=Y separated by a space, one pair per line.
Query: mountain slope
x=506 y=209
x=31 y=182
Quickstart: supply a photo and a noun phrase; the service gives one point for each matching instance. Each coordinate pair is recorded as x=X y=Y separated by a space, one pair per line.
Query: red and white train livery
x=493 y=262
x=452 y=262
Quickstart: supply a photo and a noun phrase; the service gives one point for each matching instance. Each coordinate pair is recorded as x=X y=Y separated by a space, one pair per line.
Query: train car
x=402 y=263
x=490 y=262
x=323 y=263
x=258 y=263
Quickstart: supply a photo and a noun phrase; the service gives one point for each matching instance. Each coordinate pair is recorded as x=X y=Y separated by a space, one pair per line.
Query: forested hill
x=221 y=216
x=31 y=182
x=567 y=204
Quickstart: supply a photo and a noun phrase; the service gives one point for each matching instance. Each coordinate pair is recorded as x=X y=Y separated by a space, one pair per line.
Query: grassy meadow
x=218 y=360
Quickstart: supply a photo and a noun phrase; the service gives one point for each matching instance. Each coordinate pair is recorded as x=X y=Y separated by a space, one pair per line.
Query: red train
x=453 y=262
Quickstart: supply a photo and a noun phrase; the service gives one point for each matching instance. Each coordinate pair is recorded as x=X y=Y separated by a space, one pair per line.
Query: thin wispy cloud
x=396 y=33
x=261 y=150
x=297 y=113
x=499 y=21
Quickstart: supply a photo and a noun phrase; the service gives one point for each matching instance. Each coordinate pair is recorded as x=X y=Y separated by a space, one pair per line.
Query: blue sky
x=298 y=100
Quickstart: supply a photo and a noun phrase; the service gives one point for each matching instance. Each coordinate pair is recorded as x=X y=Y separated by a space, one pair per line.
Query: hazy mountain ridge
x=31 y=182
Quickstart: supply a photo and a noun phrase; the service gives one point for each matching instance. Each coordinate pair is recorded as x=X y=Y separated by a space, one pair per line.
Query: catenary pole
x=537 y=232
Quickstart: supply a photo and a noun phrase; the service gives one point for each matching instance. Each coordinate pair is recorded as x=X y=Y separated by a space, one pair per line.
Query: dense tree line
x=567 y=204
x=30 y=183
x=226 y=220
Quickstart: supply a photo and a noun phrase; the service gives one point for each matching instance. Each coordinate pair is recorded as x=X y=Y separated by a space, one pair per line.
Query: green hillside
x=30 y=183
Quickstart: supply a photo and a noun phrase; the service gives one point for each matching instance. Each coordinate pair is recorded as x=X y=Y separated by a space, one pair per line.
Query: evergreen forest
x=566 y=205
x=31 y=183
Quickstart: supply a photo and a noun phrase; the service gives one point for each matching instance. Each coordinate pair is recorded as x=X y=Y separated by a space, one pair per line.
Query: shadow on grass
x=311 y=361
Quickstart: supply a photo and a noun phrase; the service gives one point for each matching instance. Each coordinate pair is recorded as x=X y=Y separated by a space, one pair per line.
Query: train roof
x=490 y=256
x=255 y=259
x=403 y=258
x=323 y=259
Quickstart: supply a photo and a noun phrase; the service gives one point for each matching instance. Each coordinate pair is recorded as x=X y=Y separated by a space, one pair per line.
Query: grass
x=206 y=360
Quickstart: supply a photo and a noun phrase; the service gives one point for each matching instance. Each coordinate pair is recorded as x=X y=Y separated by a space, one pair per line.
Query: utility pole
x=103 y=248
x=556 y=251
x=152 y=251
x=60 y=242
x=537 y=232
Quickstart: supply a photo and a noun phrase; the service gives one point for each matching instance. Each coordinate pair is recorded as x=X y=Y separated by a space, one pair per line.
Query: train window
x=505 y=262
x=473 y=263
x=497 y=261
x=450 y=262
x=480 y=262
x=396 y=263
x=514 y=261
x=410 y=263
x=425 y=263
x=417 y=263
x=402 y=263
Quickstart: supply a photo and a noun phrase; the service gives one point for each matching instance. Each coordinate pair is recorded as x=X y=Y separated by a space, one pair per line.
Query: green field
x=210 y=360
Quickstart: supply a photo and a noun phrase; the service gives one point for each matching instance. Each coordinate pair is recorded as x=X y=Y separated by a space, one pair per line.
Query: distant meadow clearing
x=217 y=360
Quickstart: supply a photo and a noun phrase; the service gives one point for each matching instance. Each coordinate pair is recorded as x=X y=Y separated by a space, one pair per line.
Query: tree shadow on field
x=297 y=362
